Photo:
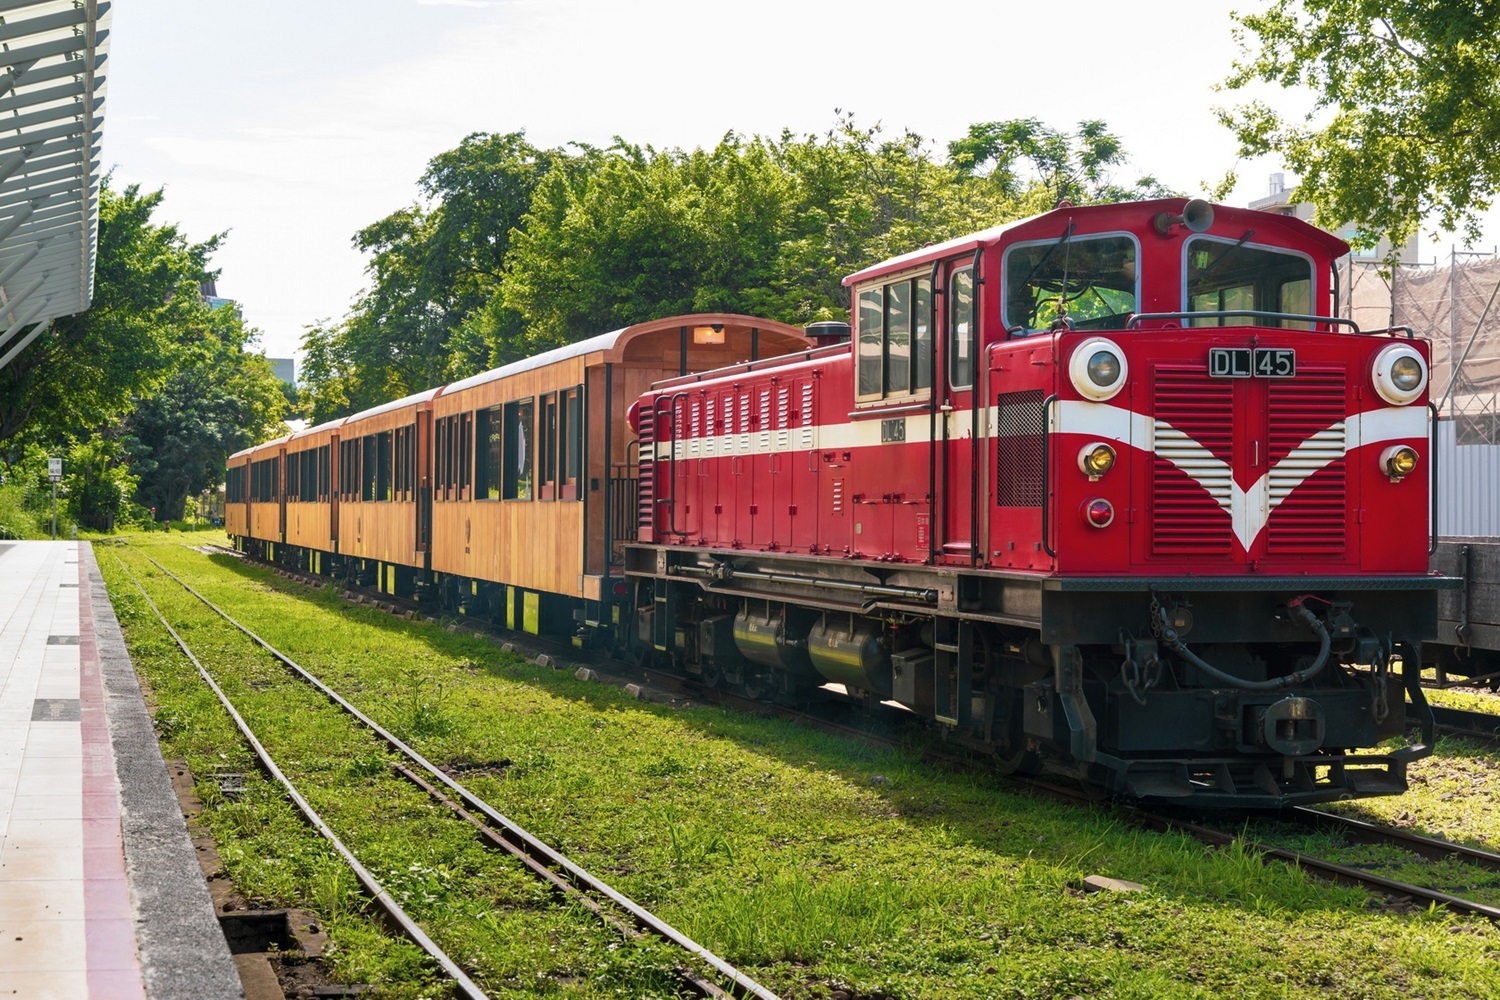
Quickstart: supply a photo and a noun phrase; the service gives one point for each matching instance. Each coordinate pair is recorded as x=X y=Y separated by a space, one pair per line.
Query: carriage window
x=1225 y=277
x=519 y=428
x=489 y=431
x=349 y=469
x=570 y=442
x=547 y=451
x=895 y=342
x=1089 y=280
x=961 y=328
x=368 y=467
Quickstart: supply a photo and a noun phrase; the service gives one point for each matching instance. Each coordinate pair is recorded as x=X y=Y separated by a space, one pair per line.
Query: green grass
x=816 y=862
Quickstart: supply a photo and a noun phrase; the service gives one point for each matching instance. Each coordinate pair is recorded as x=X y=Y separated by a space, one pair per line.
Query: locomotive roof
x=1139 y=214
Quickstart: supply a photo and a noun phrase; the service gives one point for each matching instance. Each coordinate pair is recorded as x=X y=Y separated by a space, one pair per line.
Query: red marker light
x=1099 y=513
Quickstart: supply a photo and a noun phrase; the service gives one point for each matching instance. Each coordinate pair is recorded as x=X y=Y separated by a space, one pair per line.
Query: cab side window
x=893 y=349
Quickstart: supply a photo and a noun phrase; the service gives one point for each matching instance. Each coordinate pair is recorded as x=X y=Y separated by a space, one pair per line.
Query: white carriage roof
x=417 y=397
x=52 y=60
x=602 y=342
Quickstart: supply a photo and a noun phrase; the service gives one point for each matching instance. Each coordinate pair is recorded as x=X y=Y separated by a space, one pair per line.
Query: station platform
x=101 y=893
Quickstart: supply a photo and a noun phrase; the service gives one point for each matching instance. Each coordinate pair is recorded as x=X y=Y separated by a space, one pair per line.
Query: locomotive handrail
x=974 y=374
x=1136 y=320
x=1432 y=479
x=672 y=462
x=1047 y=474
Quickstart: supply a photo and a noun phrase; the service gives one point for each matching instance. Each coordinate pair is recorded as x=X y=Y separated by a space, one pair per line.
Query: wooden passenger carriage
x=534 y=464
x=506 y=495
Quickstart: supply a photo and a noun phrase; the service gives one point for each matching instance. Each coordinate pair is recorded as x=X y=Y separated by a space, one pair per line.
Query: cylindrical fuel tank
x=850 y=653
x=765 y=639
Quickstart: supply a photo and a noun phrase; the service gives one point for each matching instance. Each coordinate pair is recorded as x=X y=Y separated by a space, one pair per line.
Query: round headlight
x=1097 y=368
x=1104 y=369
x=1398 y=461
x=1096 y=459
x=1099 y=513
x=1406 y=373
x=1399 y=374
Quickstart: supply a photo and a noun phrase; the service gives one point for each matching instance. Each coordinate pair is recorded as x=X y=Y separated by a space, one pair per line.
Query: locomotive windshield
x=1090 y=280
x=1223 y=276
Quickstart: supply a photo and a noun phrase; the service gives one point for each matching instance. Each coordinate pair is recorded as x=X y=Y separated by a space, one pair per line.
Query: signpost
x=54 y=474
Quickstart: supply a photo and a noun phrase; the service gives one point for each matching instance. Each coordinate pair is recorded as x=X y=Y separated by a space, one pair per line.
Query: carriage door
x=281 y=495
x=959 y=424
x=422 y=479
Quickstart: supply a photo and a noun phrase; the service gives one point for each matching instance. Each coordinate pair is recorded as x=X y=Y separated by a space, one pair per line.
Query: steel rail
x=741 y=985
x=1328 y=869
x=1370 y=833
x=371 y=884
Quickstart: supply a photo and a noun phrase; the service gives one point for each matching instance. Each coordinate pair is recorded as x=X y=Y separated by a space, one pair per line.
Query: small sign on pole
x=54 y=474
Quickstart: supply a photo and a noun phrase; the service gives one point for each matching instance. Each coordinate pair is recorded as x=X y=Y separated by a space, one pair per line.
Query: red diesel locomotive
x=1105 y=490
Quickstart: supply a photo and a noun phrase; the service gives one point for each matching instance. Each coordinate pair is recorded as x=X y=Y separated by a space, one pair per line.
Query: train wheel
x=713 y=675
x=1020 y=761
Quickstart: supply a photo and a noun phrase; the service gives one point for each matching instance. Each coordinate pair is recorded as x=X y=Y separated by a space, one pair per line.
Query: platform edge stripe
x=182 y=949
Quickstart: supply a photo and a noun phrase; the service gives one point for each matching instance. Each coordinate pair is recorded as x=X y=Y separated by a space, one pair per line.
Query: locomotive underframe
x=1048 y=671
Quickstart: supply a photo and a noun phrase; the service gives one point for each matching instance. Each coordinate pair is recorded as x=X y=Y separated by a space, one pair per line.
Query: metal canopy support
x=37 y=332
x=52 y=84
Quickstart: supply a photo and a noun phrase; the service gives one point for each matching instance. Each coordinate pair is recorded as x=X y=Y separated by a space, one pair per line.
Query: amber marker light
x=1398 y=462
x=1096 y=459
x=1099 y=513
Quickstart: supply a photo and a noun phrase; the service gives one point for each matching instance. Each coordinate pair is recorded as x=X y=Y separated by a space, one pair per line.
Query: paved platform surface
x=101 y=894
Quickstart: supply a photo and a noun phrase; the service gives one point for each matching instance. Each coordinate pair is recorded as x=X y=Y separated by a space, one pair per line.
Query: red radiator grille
x=1194 y=441
x=1306 y=450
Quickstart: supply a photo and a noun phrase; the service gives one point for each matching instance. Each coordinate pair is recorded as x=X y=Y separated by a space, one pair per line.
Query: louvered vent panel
x=1307 y=452
x=807 y=439
x=1018 y=449
x=1192 y=484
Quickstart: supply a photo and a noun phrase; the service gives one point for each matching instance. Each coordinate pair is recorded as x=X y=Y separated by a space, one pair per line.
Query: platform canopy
x=52 y=61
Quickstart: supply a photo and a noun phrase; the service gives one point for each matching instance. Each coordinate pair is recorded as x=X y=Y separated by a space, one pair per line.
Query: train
x=1109 y=492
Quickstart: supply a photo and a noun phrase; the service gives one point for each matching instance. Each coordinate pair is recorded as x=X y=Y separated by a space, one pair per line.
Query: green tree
x=1404 y=116
x=218 y=398
x=84 y=371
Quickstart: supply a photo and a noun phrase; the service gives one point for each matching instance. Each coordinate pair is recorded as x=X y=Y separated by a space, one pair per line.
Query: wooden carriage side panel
x=532 y=543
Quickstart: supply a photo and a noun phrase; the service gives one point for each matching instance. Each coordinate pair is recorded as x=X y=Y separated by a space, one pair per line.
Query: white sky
x=294 y=123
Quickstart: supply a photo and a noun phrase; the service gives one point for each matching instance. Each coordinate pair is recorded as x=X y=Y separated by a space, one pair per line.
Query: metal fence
x=1467 y=501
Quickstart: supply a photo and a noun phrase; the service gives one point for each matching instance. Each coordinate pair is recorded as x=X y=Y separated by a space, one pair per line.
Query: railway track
x=564 y=877
x=1473 y=724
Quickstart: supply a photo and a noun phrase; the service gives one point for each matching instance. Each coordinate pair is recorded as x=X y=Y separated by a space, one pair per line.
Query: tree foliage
x=83 y=372
x=218 y=399
x=515 y=249
x=1404 y=123
x=146 y=393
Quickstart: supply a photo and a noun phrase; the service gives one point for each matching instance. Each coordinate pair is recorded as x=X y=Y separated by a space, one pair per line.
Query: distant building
x=209 y=293
x=284 y=369
x=1279 y=200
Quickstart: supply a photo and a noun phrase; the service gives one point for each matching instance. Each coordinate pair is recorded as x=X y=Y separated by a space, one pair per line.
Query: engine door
x=961 y=425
